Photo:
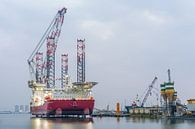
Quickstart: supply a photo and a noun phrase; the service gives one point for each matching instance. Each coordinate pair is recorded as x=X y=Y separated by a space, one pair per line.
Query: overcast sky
x=128 y=43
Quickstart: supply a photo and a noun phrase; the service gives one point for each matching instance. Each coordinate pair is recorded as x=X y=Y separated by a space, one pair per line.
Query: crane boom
x=46 y=34
x=50 y=37
x=148 y=91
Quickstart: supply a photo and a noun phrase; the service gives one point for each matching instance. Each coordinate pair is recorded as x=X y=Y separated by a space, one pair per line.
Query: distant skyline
x=128 y=43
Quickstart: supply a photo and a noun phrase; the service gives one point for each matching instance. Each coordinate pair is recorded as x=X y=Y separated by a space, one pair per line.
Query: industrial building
x=143 y=110
x=191 y=106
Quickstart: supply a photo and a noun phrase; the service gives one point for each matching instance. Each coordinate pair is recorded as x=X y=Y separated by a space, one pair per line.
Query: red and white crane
x=42 y=69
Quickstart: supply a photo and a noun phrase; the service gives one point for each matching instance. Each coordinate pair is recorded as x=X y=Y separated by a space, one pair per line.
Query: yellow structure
x=170 y=96
x=191 y=101
x=118 y=108
x=169 y=91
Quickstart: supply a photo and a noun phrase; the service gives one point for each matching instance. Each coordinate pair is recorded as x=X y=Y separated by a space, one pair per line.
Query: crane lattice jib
x=52 y=40
x=148 y=91
x=50 y=37
x=47 y=32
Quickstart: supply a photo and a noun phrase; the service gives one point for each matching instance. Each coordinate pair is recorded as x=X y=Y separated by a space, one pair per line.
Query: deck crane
x=148 y=91
x=44 y=71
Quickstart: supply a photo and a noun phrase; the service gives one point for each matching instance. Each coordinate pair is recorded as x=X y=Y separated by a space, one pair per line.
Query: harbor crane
x=151 y=86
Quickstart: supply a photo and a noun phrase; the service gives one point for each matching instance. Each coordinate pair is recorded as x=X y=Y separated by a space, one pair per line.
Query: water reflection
x=171 y=123
x=142 y=119
x=61 y=123
x=118 y=119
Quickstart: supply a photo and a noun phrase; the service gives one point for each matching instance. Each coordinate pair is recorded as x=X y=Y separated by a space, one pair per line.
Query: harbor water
x=24 y=121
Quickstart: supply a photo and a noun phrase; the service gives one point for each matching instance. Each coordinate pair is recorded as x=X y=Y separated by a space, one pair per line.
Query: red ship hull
x=64 y=107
